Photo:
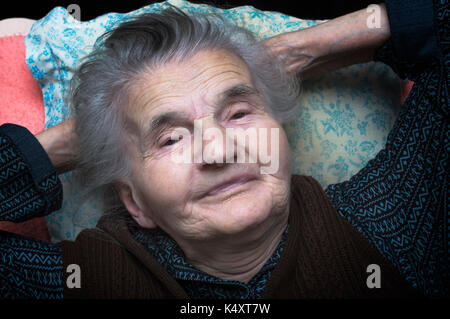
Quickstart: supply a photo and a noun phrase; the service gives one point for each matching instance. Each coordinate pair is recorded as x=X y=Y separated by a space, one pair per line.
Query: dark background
x=305 y=9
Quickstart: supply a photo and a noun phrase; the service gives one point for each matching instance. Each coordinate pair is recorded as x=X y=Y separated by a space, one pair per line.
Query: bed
x=342 y=122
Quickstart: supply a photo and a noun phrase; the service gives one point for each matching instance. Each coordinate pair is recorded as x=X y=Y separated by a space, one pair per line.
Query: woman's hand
x=61 y=144
x=333 y=44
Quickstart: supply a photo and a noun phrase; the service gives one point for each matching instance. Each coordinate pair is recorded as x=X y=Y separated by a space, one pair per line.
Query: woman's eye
x=238 y=115
x=172 y=141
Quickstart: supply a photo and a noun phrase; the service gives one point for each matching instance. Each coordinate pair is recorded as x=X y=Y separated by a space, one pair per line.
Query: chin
x=244 y=214
x=256 y=208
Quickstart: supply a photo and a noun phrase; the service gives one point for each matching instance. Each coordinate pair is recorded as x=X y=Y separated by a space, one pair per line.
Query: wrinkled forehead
x=192 y=86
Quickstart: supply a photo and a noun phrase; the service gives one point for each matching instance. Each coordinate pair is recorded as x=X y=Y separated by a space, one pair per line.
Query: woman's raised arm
x=340 y=42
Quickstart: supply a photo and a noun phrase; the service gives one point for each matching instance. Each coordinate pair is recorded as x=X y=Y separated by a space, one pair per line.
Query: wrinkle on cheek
x=181 y=219
x=194 y=227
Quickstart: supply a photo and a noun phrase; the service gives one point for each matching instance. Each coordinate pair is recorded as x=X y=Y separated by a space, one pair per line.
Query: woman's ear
x=127 y=196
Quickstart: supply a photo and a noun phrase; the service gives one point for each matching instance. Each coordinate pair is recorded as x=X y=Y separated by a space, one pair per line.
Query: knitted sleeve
x=399 y=201
x=29 y=187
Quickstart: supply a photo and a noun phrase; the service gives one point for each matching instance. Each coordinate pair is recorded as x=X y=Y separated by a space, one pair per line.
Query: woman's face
x=212 y=193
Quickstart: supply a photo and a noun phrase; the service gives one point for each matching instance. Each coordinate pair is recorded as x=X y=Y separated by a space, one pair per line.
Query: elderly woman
x=217 y=224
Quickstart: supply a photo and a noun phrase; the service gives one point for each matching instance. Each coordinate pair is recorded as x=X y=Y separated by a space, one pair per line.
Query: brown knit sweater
x=324 y=257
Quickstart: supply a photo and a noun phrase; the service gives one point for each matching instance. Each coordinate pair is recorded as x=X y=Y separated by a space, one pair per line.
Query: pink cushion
x=406 y=88
x=21 y=103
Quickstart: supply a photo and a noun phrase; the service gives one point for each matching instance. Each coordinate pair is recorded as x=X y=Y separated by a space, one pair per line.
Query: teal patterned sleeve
x=399 y=200
x=29 y=187
x=29 y=268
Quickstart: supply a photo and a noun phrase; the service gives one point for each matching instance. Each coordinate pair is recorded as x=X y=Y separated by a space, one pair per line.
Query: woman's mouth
x=230 y=184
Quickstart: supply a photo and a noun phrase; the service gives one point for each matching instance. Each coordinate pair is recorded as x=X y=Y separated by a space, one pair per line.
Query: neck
x=241 y=256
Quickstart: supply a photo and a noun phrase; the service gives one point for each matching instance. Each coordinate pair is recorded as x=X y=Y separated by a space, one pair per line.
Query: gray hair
x=101 y=85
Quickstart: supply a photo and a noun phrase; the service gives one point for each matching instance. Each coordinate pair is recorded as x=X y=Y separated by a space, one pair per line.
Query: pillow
x=343 y=121
x=15 y=26
x=21 y=104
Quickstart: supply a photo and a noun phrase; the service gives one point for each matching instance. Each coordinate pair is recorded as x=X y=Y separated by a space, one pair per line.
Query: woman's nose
x=215 y=146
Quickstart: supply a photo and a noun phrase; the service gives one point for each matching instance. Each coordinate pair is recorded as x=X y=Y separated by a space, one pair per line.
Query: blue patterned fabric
x=29 y=185
x=199 y=284
x=398 y=201
x=28 y=268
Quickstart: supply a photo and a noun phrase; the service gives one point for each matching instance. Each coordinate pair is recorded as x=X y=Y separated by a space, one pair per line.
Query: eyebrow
x=169 y=118
x=238 y=90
